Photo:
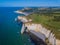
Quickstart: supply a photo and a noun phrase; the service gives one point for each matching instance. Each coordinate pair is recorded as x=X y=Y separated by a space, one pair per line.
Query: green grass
x=47 y=21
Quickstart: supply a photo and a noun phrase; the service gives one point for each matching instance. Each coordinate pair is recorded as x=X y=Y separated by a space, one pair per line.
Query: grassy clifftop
x=51 y=22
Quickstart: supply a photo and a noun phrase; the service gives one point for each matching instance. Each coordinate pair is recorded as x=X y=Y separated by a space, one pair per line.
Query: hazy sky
x=21 y=3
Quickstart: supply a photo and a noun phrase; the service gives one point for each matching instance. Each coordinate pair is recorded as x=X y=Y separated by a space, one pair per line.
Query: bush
x=56 y=18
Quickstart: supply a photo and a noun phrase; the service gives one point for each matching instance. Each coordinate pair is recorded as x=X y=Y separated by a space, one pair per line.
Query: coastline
x=20 y=12
x=37 y=30
x=33 y=23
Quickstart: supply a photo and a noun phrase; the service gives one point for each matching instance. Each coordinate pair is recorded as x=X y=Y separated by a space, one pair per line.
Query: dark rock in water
x=25 y=30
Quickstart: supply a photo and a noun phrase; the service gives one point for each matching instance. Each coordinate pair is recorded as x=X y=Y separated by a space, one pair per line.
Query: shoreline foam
x=20 y=12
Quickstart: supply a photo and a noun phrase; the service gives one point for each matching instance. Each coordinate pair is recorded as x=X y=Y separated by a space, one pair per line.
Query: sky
x=26 y=3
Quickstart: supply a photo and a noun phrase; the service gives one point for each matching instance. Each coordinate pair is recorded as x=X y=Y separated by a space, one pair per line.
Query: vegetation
x=50 y=21
x=48 y=17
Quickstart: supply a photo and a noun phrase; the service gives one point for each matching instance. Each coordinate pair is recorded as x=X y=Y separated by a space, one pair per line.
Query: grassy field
x=47 y=21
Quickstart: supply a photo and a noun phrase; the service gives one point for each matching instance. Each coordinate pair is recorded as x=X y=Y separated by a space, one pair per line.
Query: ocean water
x=9 y=29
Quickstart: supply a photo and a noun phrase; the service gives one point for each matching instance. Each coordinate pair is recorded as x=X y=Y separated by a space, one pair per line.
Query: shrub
x=56 y=18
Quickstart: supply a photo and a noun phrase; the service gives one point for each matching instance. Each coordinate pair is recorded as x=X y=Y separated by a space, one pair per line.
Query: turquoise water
x=9 y=30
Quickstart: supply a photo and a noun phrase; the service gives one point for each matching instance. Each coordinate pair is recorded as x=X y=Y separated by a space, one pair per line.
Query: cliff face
x=36 y=40
x=37 y=33
x=36 y=30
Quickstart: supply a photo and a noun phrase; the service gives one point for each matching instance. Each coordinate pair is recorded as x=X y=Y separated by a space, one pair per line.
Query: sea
x=9 y=29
